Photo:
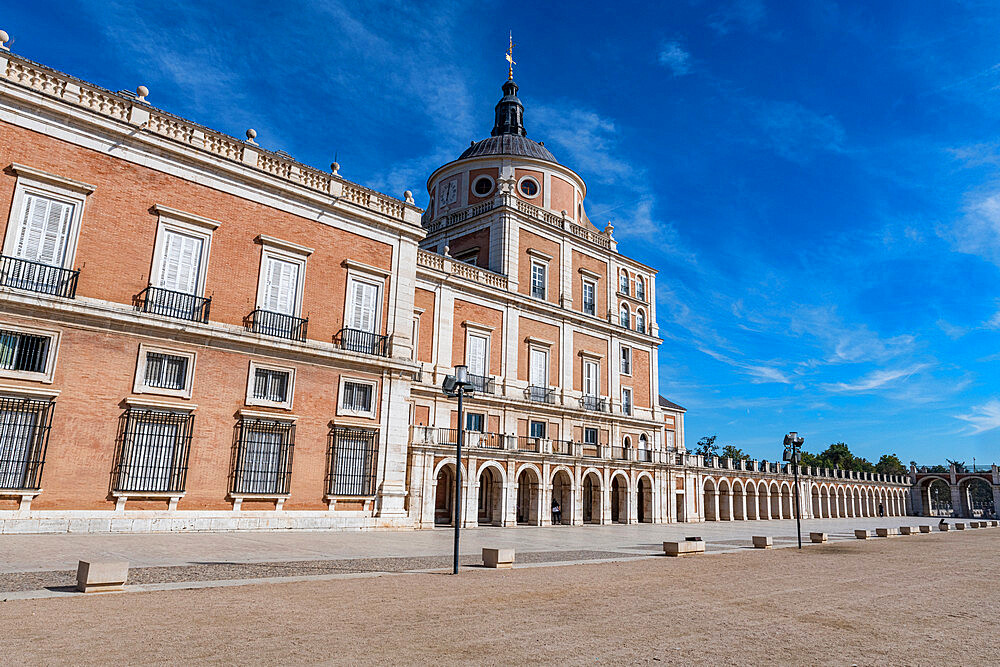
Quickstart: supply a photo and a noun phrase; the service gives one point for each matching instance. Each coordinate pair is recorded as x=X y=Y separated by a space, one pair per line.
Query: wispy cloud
x=675 y=58
x=977 y=231
x=792 y=130
x=739 y=14
x=876 y=380
x=984 y=417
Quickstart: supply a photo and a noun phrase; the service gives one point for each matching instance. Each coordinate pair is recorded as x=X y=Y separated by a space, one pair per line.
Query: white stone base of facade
x=187 y=521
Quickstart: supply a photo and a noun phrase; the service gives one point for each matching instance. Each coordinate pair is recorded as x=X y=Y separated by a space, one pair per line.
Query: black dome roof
x=508 y=136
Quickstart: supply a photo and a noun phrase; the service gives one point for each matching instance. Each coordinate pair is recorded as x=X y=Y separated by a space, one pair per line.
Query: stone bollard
x=862 y=534
x=886 y=532
x=995 y=523
x=908 y=530
x=762 y=541
x=959 y=526
x=817 y=538
x=944 y=527
x=685 y=548
x=498 y=558
x=925 y=529
x=94 y=577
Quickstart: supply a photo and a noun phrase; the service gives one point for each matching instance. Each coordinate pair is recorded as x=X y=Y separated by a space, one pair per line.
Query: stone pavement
x=40 y=553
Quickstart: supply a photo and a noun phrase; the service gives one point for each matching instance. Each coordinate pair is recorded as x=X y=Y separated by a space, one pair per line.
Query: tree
x=959 y=465
x=706 y=447
x=890 y=464
x=734 y=452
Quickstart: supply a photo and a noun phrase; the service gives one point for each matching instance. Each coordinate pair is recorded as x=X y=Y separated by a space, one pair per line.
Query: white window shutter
x=477 y=355
x=539 y=370
x=181 y=262
x=281 y=286
x=364 y=306
x=44 y=230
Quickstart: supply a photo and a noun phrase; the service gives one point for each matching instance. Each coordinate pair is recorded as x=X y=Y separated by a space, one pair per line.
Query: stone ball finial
x=4 y=38
x=447 y=251
x=408 y=196
x=334 y=167
x=142 y=92
x=251 y=135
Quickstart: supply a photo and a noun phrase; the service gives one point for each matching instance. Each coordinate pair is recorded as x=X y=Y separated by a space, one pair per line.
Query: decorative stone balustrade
x=468 y=271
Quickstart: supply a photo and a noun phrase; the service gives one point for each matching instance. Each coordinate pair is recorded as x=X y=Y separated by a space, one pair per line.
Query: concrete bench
x=959 y=526
x=98 y=576
x=763 y=541
x=925 y=529
x=818 y=538
x=908 y=530
x=498 y=558
x=685 y=548
x=995 y=523
x=862 y=534
x=886 y=532
x=944 y=527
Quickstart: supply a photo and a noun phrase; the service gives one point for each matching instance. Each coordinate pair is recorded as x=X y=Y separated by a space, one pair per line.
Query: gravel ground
x=61 y=579
x=922 y=600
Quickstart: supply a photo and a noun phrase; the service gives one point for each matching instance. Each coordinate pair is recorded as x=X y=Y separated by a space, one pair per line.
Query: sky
x=818 y=183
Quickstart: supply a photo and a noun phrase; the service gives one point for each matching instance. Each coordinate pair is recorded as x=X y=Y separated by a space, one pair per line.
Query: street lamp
x=793 y=454
x=458 y=385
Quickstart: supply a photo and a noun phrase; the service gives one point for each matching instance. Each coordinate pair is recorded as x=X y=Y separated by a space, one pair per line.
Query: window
x=263 y=457
x=538 y=280
x=670 y=439
x=363 y=305
x=626 y=360
x=483 y=186
x=279 y=289
x=24 y=434
x=626 y=401
x=643 y=441
x=537 y=429
x=528 y=187
x=623 y=283
x=164 y=371
x=476 y=356
x=353 y=456
x=281 y=283
x=44 y=229
x=624 y=316
x=154 y=451
x=640 y=288
x=589 y=297
x=640 y=321
x=357 y=398
x=590 y=436
x=591 y=375
x=27 y=354
x=180 y=261
x=539 y=371
x=475 y=422
x=270 y=385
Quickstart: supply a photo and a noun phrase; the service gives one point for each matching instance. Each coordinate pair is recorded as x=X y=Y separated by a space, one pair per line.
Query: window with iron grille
x=353 y=455
x=263 y=457
x=153 y=456
x=24 y=434
x=357 y=396
x=23 y=352
x=270 y=385
x=166 y=371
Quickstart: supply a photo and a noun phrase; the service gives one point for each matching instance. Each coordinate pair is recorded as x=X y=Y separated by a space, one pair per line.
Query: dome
x=508 y=136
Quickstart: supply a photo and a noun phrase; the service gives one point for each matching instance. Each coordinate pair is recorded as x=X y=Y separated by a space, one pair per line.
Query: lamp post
x=457 y=386
x=793 y=454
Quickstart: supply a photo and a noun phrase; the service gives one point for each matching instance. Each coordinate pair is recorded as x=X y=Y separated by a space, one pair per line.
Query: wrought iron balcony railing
x=482 y=384
x=594 y=403
x=644 y=455
x=527 y=443
x=540 y=394
x=276 y=324
x=365 y=342
x=160 y=301
x=24 y=274
x=590 y=450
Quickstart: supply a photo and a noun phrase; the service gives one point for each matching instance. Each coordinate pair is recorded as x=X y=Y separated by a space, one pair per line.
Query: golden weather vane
x=510 y=57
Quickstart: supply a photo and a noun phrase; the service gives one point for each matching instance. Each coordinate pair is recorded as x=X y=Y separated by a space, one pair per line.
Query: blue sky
x=818 y=182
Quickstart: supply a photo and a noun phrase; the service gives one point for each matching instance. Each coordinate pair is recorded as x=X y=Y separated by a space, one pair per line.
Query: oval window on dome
x=528 y=187
x=483 y=186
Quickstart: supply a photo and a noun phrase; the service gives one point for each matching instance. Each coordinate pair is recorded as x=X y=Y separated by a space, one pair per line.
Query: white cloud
x=793 y=131
x=879 y=379
x=675 y=58
x=977 y=232
x=747 y=14
x=985 y=417
x=584 y=140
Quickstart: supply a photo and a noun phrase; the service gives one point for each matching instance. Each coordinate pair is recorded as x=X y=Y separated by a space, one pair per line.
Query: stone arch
x=444 y=493
x=787 y=502
x=491 y=491
x=725 y=500
x=619 y=492
x=739 y=501
x=976 y=495
x=640 y=319
x=563 y=495
x=710 y=497
x=751 y=496
x=763 y=501
x=774 y=498
x=528 y=507
x=624 y=315
x=816 y=501
x=936 y=494
x=591 y=496
x=644 y=497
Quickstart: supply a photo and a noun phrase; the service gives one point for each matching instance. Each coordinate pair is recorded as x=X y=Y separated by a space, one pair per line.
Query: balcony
x=365 y=342
x=590 y=450
x=169 y=303
x=540 y=394
x=527 y=443
x=618 y=452
x=31 y=276
x=479 y=439
x=594 y=403
x=276 y=324
x=482 y=384
x=564 y=447
x=644 y=455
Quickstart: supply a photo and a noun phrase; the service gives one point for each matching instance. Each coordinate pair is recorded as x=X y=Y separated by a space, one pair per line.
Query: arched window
x=640 y=288
x=624 y=316
x=640 y=321
x=628 y=442
x=643 y=441
x=623 y=283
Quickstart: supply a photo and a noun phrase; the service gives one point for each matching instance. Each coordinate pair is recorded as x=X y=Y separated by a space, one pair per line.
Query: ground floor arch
x=591 y=498
x=562 y=498
x=528 y=507
x=491 y=496
x=619 y=498
x=644 y=499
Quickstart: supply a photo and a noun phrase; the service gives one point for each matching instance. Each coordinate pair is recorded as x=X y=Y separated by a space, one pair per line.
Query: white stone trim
x=481 y=177
x=278 y=252
x=346 y=412
x=267 y=416
x=181 y=224
x=590 y=274
x=157 y=404
x=532 y=340
x=52 y=187
x=361 y=267
x=51 y=356
x=187 y=218
x=261 y=402
x=29 y=392
x=60 y=182
x=539 y=255
x=285 y=246
x=139 y=385
x=538 y=187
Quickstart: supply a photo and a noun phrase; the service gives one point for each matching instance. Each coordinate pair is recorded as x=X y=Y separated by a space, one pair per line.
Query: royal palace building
x=197 y=333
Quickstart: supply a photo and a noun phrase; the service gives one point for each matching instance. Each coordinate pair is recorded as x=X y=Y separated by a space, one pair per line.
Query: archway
x=490 y=497
x=751 y=492
x=977 y=498
x=527 y=497
x=786 y=502
x=711 y=497
x=725 y=501
x=763 y=509
x=562 y=495
x=619 y=499
x=591 y=498
x=739 y=502
x=817 y=502
x=774 y=494
x=444 y=496
x=644 y=503
x=937 y=497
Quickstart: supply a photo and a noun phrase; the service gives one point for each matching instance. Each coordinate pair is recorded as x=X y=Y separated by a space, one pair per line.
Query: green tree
x=734 y=452
x=890 y=464
x=706 y=447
